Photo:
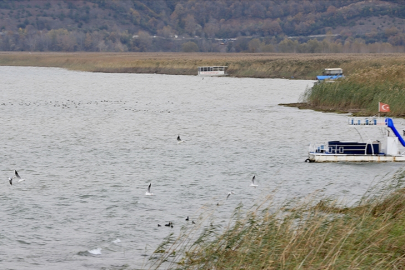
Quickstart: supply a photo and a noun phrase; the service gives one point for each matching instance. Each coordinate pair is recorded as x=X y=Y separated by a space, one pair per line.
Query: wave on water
x=96 y=251
x=116 y=241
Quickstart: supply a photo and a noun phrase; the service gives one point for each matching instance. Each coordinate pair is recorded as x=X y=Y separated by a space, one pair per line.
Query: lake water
x=89 y=144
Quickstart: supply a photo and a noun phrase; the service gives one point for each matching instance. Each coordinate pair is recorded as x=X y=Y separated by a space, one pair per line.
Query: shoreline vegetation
x=253 y=65
x=360 y=92
x=370 y=78
x=308 y=233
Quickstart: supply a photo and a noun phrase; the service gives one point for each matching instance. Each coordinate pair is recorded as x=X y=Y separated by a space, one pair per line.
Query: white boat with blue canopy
x=384 y=150
x=330 y=74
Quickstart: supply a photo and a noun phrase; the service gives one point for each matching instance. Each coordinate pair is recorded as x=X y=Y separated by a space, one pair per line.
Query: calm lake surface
x=89 y=144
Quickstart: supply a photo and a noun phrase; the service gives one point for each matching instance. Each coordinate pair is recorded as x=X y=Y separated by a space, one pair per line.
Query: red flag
x=382 y=107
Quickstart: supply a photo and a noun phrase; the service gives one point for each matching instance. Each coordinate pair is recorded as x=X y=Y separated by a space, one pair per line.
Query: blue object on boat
x=390 y=124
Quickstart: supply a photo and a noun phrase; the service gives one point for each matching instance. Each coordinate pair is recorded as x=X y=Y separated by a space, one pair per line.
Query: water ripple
x=89 y=144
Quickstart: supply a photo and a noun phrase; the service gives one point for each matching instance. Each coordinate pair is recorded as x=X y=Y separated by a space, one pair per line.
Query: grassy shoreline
x=361 y=92
x=260 y=65
x=369 y=77
x=311 y=233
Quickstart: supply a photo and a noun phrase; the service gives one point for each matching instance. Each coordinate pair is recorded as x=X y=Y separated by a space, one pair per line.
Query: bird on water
x=170 y=224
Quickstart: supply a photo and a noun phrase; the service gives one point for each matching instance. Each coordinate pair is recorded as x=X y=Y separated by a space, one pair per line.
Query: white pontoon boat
x=385 y=150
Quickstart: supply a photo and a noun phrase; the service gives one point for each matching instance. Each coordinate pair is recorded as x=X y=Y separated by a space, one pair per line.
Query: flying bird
x=229 y=194
x=17 y=176
x=148 y=193
x=253 y=182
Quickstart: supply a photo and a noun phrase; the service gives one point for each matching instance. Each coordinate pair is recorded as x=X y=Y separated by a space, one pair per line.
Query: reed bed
x=260 y=65
x=362 y=91
x=308 y=234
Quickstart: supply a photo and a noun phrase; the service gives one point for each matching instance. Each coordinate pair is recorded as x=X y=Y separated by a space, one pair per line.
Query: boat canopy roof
x=333 y=71
x=215 y=66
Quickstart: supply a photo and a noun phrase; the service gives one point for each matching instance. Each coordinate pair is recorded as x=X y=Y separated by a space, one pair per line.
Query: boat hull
x=316 y=157
x=212 y=73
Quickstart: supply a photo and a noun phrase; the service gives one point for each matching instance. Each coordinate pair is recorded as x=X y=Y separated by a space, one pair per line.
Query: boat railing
x=212 y=68
x=344 y=148
x=318 y=147
x=366 y=121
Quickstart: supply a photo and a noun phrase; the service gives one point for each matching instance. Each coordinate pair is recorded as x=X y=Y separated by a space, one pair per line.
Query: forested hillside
x=207 y=26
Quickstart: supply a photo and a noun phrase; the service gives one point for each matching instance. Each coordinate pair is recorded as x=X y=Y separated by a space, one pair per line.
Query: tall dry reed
x=363 y=91
x=307 y=234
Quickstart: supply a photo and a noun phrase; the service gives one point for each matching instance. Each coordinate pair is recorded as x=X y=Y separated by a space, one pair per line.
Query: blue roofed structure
x=331 y=74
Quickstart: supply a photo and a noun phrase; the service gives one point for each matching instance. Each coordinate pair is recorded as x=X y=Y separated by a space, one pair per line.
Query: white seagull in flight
x=253 y=182
x=148 y=193
x=10 y=179
x=229 y=194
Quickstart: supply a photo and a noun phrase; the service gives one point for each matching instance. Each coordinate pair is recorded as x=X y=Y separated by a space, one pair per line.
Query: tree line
x=204 y=26
x=103 y=41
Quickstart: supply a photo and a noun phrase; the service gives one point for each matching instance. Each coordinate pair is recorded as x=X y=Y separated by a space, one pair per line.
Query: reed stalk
x=304 y=234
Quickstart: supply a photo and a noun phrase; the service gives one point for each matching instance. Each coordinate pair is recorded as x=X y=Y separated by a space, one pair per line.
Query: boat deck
x=319 y=157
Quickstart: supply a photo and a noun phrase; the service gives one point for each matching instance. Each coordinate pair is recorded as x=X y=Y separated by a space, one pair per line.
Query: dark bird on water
x=187 y=219
x=170 y=224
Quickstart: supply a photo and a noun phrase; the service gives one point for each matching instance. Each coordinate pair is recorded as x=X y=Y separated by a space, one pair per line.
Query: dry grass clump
x=392 y=74
x=304 y=235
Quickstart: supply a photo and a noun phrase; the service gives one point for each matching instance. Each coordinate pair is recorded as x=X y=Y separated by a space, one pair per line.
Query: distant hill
x=207 y=26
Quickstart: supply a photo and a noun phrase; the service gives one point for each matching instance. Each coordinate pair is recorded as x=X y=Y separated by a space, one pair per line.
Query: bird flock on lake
x=170 y=224
x=17 y=179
